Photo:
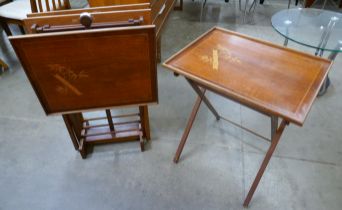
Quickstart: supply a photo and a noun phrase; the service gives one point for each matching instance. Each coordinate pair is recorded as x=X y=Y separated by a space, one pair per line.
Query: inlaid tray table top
x=271 y=79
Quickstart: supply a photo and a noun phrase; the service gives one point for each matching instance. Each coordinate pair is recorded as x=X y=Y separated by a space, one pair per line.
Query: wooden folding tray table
x=76 y=67
x=273 y=80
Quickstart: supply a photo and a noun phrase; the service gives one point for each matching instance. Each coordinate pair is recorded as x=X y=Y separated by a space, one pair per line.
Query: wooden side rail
x=85 y=25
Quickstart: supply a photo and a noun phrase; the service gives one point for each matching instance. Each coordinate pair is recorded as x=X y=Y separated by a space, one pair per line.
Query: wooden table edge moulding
x=253 y=73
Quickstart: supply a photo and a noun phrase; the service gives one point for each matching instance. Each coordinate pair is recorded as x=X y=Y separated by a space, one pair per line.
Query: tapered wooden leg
x=71 y=131
x=159 y=49
x=205 y=100
x=274 y=125
x=188 y=126
x=142 y=143
x=83 y=149
x=145 y=124
x=275 y=140
x=74 y=124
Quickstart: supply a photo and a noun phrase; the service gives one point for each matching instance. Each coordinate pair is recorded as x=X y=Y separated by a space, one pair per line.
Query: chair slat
x=40 y=6
x=47 y=5
x=34 y=8
x=60 y=4
x=54 y=5
x=66 y=4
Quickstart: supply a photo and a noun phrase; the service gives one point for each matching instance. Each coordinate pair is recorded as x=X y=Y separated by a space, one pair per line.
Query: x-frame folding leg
x=205 y=100
x=274 y=142
x=188 y=126
x=276 y=132
x=201 y=97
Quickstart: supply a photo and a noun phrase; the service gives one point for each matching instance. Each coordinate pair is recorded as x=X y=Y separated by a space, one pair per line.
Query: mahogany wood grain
x=156 y=8
x=98 y=17
x=70 y=72
x=160 y=9
x=269 y=78
x=99 y=3
x=92 y=10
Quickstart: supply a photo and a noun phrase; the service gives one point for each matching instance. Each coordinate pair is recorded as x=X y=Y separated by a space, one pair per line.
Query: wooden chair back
x=49 y=5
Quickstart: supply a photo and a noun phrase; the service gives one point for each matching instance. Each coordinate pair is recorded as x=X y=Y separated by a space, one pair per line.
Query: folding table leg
x=188 y=126
x=205 y=99
x=275 y=140
x=274 y=125
x=74 y=124
x=73 y=137
x=143 y=111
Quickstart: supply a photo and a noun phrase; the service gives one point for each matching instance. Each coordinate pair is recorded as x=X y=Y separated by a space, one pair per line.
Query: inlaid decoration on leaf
x=66 y=78
x=219 y=53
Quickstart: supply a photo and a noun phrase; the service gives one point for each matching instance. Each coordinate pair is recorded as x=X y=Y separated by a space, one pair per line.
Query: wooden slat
x=34 y=8
x=100 y=140
x=54 y=5
x=98 y=17
x=47 y=5
x=100 y=3
x=117 y=123
x=116 y=116
x=40 y=6
x=66 y=4
x=60 y=5
x=91 y=10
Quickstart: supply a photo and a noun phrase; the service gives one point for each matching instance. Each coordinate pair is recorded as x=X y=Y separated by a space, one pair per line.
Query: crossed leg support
x=275 y=136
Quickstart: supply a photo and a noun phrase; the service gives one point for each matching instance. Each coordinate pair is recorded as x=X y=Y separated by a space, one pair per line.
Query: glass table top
x=320 y=29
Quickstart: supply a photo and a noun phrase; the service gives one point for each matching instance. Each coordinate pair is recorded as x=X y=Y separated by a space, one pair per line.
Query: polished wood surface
x=99 y=3
x=269 y=78
x=92 y=10
x=70 y=72
x=83 y=132
x=98 y=17
x=160 y=9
